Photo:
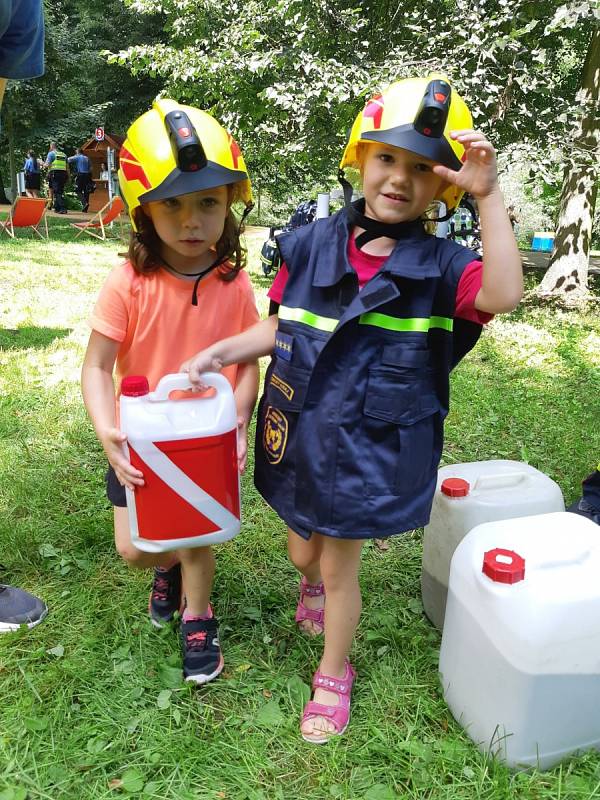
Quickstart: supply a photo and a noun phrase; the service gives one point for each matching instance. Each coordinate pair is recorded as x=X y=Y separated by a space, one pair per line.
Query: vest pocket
x=285 y=386
x=402 y=426
x=284 y=394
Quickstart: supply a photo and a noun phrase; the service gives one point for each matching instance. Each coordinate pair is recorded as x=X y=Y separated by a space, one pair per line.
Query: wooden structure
x=96 y=152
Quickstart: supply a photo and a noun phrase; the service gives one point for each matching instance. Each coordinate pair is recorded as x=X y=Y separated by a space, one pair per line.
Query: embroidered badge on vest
x=284 y=345
x=275 y=435
x=286 y=390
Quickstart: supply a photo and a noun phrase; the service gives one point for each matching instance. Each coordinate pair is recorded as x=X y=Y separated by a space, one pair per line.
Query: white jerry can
x=467 y=495
x=520 y=656
x=187 y=451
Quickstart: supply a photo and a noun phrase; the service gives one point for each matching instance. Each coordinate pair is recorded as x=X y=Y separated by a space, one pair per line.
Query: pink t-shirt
x=367 y=265
x=153 y=319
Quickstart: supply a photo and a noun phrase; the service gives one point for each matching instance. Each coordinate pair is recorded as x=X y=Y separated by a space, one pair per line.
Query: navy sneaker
x=202 y=659
x=18 y=607
x=585 y=509
x=165 y=596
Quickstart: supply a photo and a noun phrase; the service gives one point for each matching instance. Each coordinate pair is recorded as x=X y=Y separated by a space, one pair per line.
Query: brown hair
x=144 y=246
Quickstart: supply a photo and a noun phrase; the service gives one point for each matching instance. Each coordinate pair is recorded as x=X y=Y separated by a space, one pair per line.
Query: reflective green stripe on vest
x=419 y=324
x=60 y=162
x=307 y=318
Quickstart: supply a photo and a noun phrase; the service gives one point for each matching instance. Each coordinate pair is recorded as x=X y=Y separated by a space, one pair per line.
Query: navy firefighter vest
x=350 y=425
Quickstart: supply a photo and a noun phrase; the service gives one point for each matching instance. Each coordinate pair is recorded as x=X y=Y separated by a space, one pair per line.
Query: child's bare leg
x=197 y=572
x=130 y=553
x=340 y=561
x=306 y=556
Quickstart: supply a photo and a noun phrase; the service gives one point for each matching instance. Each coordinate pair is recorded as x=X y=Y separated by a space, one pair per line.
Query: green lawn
x=92 y=703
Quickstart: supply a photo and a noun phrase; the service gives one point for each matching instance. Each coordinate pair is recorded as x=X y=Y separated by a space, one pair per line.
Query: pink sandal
x=316 y=615
x=339 y=714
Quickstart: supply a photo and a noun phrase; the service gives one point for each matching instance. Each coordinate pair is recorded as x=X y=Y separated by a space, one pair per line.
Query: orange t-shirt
x=153 y=319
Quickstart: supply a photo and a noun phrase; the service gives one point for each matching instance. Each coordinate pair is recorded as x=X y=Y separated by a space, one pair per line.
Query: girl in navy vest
x=371 y=314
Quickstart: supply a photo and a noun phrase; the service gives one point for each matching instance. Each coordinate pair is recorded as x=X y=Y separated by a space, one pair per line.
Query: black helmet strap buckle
x=187 y=148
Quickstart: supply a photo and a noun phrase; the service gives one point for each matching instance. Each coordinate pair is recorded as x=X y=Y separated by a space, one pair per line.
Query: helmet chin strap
x=216 y=263
x=373 y=229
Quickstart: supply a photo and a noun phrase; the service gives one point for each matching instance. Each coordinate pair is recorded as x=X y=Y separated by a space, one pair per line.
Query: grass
x=92 y=702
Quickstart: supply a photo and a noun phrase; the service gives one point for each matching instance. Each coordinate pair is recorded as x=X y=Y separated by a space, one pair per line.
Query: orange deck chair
x=99 y=222
x=26 y=212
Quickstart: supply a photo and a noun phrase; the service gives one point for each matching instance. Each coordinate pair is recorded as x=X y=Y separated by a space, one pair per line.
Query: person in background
x=32 y=175
x=58 y=174
x=83 y=177
x=21 y=57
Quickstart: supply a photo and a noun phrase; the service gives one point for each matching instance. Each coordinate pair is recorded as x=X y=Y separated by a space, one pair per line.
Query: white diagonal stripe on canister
x=182 y=485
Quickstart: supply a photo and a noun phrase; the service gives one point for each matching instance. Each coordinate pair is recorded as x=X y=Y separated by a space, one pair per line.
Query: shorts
x=32 y=180
x=114 y=491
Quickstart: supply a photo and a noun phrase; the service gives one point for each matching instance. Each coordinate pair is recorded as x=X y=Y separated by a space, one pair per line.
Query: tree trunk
x=11 y=155
x=567 y=274
x=3 y=198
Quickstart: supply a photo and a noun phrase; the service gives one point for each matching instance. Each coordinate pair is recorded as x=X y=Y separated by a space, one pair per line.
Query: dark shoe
x=18 y=607
x=202 y=659
x=585 y=509
x=85 y=208
x=165 y=597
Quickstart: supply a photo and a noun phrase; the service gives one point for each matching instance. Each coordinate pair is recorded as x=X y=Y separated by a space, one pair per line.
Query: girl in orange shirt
x=181 y=289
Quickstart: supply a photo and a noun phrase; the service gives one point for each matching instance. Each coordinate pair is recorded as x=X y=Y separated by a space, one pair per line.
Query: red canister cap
x=455 y=487
x=503 y=566
x=135 y=386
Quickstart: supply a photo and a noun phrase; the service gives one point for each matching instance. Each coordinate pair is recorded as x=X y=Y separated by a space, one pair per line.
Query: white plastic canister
x=187 y=451
x=520 y=656
x=468 y=495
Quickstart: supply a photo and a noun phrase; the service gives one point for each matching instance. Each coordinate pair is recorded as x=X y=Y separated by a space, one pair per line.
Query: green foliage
x=289 y=77
x=79 y=90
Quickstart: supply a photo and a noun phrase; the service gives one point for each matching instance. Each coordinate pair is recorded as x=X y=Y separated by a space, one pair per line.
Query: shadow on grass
x=28 y=336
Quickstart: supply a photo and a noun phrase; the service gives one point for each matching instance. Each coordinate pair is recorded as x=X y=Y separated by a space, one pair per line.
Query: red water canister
x=187 y=451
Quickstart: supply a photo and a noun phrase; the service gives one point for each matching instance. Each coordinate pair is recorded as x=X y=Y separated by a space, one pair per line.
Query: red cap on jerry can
x=503 y=566
x=135 y=386
x=455 y=487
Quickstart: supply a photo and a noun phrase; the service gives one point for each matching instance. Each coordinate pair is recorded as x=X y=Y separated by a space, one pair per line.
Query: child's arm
x=246 y=392
x=99 y=398
x=502 y=277
x=259 y=340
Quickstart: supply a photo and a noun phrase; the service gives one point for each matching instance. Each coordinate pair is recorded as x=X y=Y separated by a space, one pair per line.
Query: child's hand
x=242 y=443
x=127 y=475
x=203 y=361
x=478 y=174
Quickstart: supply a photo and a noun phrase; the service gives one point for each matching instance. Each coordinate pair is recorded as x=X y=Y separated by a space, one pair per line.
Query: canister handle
x=180 y=381
x=502 y=481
